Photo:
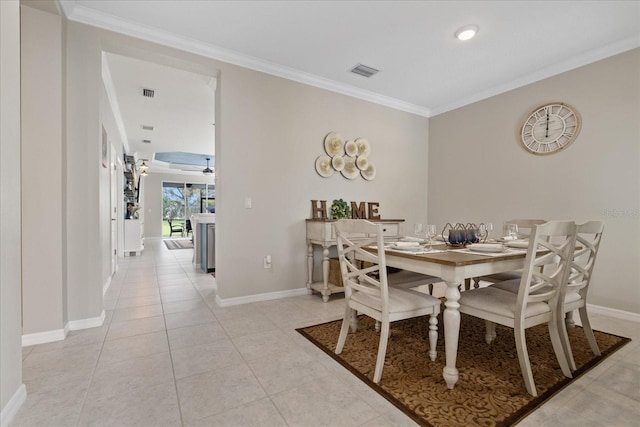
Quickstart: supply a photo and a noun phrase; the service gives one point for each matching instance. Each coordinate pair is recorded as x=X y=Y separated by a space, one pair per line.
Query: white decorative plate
x=362 y=162
x=350 y=170
x=351 y=148
x=363 y=147
x=323 y=166
x=486 y=247
x=369 y=173
x=338 y=163
x=333 y=144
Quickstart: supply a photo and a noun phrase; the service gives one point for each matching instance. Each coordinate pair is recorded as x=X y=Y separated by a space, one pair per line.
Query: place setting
x=422 y=243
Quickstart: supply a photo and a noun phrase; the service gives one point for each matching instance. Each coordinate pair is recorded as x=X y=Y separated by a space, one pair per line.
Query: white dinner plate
x=521 y=244
x=408 y=249
x=486 y=247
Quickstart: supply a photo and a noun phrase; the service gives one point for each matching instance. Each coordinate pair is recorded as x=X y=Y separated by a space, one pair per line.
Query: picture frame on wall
x=105 y=160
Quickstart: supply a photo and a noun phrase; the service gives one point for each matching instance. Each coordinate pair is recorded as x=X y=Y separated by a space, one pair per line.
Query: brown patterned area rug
x=490 y=391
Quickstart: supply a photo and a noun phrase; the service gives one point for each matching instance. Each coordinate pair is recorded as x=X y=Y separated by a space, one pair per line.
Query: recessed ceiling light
x=467 y=32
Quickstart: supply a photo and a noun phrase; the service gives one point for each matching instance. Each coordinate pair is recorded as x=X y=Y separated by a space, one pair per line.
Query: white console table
x=133 y=236
x=321 y=232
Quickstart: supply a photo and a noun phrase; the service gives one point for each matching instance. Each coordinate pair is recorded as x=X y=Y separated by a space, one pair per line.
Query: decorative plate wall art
x=350 y=158
x=333 y=144
x=338 y=163
x=369 y=173
x=364 y=149
x=350 y=170
x=323 y=166
x=351 y=148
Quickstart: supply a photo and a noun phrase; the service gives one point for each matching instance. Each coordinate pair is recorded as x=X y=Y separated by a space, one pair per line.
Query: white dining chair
x=367 y=290
x=525 y=227
x=551 y=246
x=588 y=236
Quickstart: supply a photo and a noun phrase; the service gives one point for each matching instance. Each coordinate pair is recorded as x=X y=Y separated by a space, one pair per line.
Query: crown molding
x=561 y=67
x=88 y=16
x=84 y=15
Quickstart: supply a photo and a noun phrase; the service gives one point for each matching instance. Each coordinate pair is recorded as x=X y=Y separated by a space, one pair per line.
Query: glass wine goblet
x=512 y=231
x=431 y=233
x=418 y=229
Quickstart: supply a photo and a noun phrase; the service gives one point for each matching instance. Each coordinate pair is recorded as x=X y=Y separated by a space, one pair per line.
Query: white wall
x=12 y=392
x=479 y=172
x=42 y=216
x=107 y=120
x=152 y=190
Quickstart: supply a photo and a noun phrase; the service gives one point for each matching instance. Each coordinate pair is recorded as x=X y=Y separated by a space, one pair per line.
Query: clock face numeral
x=550 y=128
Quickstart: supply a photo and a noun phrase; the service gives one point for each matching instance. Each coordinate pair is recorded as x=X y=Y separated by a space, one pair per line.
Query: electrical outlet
x=247 y=202
x=267 y=261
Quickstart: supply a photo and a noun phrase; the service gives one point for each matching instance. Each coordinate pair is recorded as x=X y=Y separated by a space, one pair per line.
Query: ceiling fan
x=207 y=170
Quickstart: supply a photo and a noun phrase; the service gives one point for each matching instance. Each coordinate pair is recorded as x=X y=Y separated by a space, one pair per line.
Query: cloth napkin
x=405 y=244
x=412 y=239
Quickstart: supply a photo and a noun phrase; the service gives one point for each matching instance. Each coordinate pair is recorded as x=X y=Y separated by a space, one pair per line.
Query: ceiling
x=174 y=129
x=424 y=69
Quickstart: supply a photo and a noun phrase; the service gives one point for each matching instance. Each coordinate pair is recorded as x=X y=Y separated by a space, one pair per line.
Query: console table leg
x=325 y=274
x=309 y=267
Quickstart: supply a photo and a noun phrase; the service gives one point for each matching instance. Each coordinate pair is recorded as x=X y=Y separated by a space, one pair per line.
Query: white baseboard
x=13 y=405
x=61 y=334
x=612 y=312
x=94 y=322
x=260 y=297
x=45 y=337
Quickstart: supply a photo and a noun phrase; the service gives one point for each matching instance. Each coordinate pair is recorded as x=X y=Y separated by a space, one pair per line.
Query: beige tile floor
x=167 y=355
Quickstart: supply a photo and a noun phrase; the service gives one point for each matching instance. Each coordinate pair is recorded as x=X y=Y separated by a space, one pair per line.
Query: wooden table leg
x=451 y=333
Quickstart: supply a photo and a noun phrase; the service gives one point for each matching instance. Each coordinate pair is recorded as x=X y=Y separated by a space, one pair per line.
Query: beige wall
x=271 y=131
x=42 y=287
x=152 y=189
x=479 y=172
x=268 y=133
x=10 y=245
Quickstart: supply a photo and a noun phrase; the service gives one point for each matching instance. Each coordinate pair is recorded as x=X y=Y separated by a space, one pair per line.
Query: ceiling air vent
x=364 y=71
x=149 y=93
x=146 y=141
x=148 y=127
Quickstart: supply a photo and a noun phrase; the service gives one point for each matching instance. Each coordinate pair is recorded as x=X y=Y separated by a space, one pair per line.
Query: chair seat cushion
x=498 y=301
x=514 y=285
x=399 y=300
x=405 y=277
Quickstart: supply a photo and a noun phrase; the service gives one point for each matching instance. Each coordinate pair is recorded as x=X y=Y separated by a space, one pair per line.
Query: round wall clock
x=550 y=128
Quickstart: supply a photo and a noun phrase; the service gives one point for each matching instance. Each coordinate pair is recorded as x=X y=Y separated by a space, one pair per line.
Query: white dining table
x=454 y=266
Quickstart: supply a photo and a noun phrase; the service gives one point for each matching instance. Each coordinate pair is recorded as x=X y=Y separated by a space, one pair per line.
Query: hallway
x=168 y=356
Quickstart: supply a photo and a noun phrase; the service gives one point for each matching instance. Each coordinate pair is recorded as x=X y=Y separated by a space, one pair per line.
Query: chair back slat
x=588 y=240
x=547 y=264
x=362 y=270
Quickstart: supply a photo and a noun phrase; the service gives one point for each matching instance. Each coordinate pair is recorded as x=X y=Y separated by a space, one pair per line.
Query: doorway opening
x=182 y=199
